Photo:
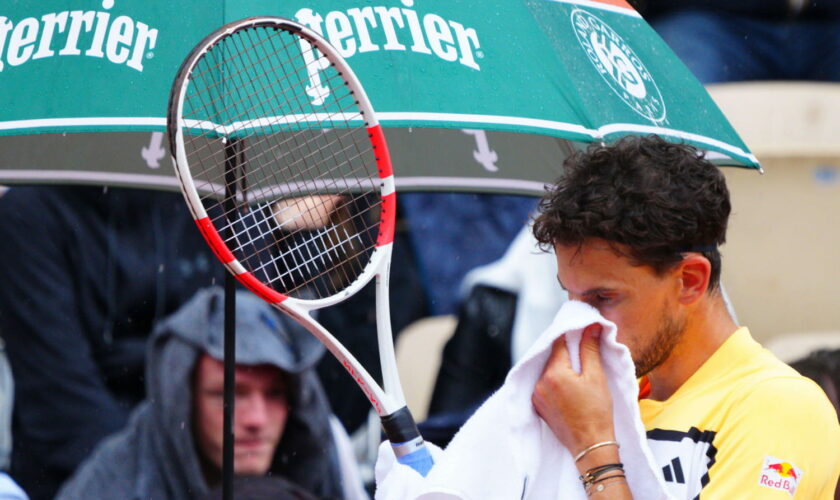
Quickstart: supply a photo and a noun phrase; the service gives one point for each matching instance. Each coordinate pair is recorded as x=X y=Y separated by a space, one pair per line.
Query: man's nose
x=251 y=410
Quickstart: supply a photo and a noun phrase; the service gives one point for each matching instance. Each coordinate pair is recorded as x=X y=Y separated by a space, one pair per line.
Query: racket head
x=282 y=162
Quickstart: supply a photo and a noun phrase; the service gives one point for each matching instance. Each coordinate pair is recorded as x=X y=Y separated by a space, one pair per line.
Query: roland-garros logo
x=619 y=65
x=99 y=34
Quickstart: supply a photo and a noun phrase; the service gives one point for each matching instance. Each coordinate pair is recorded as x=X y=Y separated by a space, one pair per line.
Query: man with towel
x=636 y=228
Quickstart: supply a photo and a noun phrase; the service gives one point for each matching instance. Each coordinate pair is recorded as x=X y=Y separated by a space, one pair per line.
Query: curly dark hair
x=656 y=198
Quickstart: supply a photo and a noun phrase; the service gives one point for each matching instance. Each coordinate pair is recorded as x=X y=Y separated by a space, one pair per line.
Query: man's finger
x=590 y=347
x=559 y=354
x=554 y=372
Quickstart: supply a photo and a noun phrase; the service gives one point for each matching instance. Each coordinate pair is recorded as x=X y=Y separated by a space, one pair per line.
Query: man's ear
x=694 y=273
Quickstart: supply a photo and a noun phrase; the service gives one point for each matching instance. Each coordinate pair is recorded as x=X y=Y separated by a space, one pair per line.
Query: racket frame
x=385 y=402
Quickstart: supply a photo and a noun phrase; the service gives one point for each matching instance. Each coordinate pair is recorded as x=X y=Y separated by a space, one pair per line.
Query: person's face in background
x=261 y=411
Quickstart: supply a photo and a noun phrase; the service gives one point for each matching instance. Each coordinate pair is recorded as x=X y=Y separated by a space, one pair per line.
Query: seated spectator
x=9 y=490
x=87 y=272
x=724 y=41
x=823 y=367
x=444 y=229
x=172 y=446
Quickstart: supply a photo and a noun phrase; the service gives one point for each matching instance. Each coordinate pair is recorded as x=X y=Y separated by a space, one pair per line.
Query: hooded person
x=171 y=448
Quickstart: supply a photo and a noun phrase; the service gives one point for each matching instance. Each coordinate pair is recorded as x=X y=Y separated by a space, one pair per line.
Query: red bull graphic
x=778 y=474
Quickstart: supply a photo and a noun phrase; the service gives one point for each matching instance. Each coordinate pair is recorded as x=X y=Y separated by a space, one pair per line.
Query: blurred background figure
x=87 y=273
x=453 y=233
x=823 y=367
x=9 y=490
x=172 y=446
x=723 y=41
x=816 y=356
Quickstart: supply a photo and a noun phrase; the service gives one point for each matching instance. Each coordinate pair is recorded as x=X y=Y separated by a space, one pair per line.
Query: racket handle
x=408 y=444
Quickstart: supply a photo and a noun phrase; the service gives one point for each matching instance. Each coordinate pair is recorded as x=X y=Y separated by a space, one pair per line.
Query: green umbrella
x=474 y=96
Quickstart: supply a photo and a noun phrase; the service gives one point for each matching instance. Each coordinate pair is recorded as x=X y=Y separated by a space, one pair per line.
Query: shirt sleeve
x=781 y=442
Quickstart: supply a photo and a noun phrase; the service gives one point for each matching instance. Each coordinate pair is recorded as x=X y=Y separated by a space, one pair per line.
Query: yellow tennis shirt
x=745 y=426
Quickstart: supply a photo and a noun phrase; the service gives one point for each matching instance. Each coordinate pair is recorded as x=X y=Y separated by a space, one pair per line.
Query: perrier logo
x=618 y=65
x=373 y=28
x=119 y=39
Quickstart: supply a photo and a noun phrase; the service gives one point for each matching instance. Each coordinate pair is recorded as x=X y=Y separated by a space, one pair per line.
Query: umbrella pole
x=231 y=167
x=230 y=382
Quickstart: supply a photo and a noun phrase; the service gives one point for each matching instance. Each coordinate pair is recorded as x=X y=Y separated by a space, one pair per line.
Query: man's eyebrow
x=591 y=291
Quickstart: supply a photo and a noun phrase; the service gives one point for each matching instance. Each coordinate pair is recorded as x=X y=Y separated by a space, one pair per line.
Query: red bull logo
x=784 y=469
x=780 y=475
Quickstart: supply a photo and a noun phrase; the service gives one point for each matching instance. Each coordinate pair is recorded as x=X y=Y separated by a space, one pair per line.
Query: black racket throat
x=399 y=427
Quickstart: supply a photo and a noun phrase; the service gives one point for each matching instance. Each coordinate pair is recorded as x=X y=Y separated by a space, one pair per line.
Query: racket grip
x=408 y=444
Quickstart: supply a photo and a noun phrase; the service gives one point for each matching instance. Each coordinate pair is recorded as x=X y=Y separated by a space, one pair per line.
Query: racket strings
x=301 y=253
x=339 y=237
x=307 y=193
x=293 y=166
x=258 y=225
x=285 y=145
x=306 y=269
x=216 y=81
x=310 y=156
x=214 y=66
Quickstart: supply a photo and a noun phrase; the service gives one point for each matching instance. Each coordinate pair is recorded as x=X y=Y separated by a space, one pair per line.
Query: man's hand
x=577 y=407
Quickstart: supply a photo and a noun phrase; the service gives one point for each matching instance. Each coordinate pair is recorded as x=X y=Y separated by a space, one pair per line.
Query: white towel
x=506 y=451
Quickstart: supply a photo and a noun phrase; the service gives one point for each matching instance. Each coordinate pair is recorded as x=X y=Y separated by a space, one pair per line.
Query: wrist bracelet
x=590 y=477
x=601 y=479
x=593 y=447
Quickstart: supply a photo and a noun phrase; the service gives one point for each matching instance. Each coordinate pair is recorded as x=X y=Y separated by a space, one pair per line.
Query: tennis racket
x=286 y=172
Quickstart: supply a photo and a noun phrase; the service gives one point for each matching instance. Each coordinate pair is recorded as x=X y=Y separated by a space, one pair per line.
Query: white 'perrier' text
x=352 y=31
x=120 y=40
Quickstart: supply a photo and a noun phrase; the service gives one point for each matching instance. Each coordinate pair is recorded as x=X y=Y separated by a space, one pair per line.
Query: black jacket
x=475 y=361
x=86 y=273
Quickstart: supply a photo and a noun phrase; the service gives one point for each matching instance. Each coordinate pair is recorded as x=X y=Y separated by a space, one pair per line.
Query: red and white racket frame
x=391 y=399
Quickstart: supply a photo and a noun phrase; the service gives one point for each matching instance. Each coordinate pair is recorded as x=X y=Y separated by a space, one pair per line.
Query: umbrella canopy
x=474 y=96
